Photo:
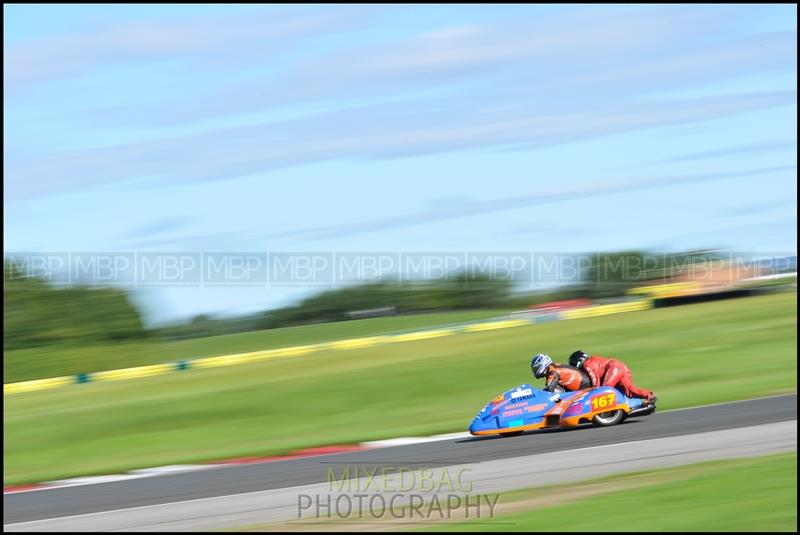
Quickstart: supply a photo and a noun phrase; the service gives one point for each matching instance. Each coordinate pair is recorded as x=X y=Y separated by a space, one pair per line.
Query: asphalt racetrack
x=752 y=427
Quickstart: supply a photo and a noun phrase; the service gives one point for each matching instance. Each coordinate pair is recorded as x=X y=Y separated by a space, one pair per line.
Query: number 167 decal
x=601 y=402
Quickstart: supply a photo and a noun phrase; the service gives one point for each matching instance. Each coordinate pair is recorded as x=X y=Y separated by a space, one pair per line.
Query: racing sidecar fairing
x=525 y=408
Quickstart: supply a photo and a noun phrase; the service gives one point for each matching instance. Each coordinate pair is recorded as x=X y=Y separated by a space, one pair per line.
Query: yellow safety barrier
x=241 y=358
x=354 y=343
x=130 y=373
x=422 y=335
x=489 y=325
x=38 y=384
x=227 y=360
x=602 y=310
x=666 y=290
x=358 y=343
x=296 y=350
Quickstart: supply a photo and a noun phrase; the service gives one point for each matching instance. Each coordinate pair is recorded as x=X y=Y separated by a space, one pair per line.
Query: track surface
x=238 y=479
x=293 y=508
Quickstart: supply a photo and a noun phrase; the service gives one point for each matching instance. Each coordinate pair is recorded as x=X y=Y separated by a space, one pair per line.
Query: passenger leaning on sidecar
x=610 y=372
x=559 y=376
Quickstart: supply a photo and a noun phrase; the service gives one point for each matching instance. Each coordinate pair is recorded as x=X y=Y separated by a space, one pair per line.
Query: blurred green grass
x=689 y=355
x=57 y=360
x=751 y=494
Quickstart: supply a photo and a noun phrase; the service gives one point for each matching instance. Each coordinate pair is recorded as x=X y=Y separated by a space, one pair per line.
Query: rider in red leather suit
x=609 y=372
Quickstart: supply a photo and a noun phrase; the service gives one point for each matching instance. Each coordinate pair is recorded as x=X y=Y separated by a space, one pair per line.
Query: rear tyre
x=511 y=434
x=605 y=419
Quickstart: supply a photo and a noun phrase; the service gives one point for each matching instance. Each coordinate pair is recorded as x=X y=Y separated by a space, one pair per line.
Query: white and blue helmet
x=539 y=365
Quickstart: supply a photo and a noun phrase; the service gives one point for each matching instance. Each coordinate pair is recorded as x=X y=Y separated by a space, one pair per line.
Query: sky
x=394 y=129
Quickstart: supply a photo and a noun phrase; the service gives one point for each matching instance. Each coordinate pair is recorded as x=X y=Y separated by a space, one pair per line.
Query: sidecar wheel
x=605 y=419
x=511 y=434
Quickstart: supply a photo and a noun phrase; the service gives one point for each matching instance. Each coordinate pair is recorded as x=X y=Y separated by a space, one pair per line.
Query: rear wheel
x=608 y=418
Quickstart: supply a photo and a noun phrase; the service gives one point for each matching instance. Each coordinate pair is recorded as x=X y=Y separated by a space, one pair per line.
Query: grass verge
x=754 y=494
x=58 y=360
x=690 y=355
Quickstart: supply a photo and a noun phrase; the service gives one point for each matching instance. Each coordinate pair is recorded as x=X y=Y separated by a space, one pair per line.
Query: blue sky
x=446 y=128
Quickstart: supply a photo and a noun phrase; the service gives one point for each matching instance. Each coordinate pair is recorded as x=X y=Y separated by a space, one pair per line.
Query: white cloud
x=605 y=54
x=196 y=39
x=367 y=132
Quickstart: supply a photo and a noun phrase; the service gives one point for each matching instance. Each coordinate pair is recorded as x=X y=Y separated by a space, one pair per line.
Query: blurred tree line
x=39 y=313
x=613 y=274
x=35 y=312
x=462 y=291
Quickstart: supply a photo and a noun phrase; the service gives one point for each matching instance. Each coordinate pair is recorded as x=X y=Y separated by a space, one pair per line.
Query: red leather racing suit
x=612 y=372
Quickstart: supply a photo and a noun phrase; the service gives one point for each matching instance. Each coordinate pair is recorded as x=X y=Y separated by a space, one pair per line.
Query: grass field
x=756 y=494
x=689 y=355
x=54 y=361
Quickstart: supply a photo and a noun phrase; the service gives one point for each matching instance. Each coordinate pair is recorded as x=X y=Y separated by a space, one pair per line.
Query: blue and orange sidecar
x=525 y=408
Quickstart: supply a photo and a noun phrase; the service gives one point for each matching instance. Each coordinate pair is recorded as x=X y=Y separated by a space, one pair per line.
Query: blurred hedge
x=459 y=292
x=36 y=312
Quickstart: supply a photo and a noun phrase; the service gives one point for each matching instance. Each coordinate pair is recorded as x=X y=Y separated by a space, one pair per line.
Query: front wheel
x=608 y=418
